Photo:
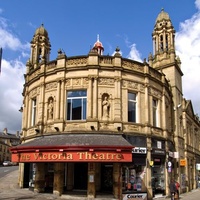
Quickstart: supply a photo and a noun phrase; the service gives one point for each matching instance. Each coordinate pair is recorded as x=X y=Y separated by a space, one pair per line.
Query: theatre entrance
x=107 y=178
x=80 y=176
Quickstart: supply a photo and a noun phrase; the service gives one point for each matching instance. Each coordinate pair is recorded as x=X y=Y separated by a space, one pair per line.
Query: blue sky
x=73 y=25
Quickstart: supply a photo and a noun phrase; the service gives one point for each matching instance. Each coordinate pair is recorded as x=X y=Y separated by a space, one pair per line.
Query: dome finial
x=97 y=37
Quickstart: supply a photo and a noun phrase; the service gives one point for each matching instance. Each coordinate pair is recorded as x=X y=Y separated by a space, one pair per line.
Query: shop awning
x=74 y=148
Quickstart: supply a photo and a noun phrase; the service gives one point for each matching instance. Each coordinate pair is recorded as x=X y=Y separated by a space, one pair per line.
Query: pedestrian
x=172 y=188
x=177 y=188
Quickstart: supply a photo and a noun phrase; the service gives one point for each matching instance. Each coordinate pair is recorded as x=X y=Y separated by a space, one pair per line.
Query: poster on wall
x=183 y=180
x=137 y=196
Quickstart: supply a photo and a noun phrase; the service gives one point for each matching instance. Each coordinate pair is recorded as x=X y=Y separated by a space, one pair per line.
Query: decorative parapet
x=131 y=65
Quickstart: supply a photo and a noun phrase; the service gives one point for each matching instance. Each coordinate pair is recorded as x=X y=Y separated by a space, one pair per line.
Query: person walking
x=172 y=188
x=177 y=188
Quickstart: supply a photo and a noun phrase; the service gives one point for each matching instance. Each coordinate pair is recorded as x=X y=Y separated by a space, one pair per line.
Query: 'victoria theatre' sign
x=72 y=156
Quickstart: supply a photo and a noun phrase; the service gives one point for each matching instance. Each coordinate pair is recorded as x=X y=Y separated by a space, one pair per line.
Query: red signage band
x=72 y=157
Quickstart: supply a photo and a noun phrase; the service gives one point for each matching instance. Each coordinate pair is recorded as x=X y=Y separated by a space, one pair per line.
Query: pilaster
x=117 y=182
x=39 y=178
x=58 y=178
x=91 y=192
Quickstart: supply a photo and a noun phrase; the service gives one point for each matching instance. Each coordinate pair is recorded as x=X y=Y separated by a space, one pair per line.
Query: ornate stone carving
x=34 y=92
x=50 y=86
x=77 y=61
x=106 y=81
x=76 y=81
x=132 y=66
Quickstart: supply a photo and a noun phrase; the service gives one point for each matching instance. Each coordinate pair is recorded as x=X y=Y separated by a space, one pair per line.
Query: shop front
x=134 y=173
x=67 y=164
x=158 y=162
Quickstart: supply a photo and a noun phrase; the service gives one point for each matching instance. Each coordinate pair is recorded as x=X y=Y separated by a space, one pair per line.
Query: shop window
x=155 y=112
x=133 y=178
x=76 y=105
x=33 y=112
x=132 y=107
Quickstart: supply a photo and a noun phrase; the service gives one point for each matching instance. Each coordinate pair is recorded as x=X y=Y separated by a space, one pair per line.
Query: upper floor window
x=155 y=112
x=131 y=107
x=76 y=105
x=33 y=112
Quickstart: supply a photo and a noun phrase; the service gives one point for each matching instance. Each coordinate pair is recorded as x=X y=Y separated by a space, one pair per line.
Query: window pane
x=131 y=96
x=76 y=105
x=76 y=109
x=84 y=108
x=131 y=107
x=80 y=93
x=69 y=106
x=154 y=112
x=131 y=112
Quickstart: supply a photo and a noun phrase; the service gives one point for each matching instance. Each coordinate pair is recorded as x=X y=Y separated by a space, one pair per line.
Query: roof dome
x=41 y=31
x=163 y=15
x=98 y=44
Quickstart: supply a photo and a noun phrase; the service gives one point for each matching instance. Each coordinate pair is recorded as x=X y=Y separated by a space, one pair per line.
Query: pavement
x=9 y=190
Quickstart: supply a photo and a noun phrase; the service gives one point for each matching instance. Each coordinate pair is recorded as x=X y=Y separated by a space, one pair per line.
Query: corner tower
x=40 y=47
x=164 y=57
x=164 y=60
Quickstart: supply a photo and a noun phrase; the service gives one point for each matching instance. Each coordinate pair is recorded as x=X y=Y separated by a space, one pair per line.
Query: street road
x=6 y=170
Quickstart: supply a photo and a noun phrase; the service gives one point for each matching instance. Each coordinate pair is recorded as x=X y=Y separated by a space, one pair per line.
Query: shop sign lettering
x=141 y=196
x=71 y=156
x=140 y=150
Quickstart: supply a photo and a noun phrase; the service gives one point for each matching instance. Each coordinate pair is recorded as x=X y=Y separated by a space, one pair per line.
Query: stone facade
x=97 y=94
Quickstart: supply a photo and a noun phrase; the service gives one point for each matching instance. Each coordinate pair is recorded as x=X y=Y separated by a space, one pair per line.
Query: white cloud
x=187 y=47
x=134 y=53
x=11 y=80
x=9 y=40
x=197 y=3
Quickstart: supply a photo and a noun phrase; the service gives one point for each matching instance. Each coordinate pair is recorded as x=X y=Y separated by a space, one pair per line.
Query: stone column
x=62 y=99
x=39 y=178
x=90 y=96
x=58 y=178
x=57 y=113
x=95 y=97
x=149 y=168
x=117 y=182
x=91 y=191
x=21 y=175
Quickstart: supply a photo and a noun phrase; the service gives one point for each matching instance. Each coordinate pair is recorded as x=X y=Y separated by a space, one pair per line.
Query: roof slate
x=78 y=140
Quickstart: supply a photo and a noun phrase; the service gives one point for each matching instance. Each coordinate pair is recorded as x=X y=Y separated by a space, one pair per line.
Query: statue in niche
x=105 y=106
x=50 y=109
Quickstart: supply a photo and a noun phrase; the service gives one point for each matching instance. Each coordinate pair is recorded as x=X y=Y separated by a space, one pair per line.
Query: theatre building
x=97 y=125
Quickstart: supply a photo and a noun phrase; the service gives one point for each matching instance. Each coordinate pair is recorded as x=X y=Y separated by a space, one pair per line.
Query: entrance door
x=26 y=175
x=107 y=178
x=80 y=176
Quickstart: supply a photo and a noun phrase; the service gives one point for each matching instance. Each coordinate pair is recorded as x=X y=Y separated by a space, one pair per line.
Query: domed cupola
x=162 y=16
x=163 y=37
x=98 y=46
x=41 y=31
x=40 y=47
